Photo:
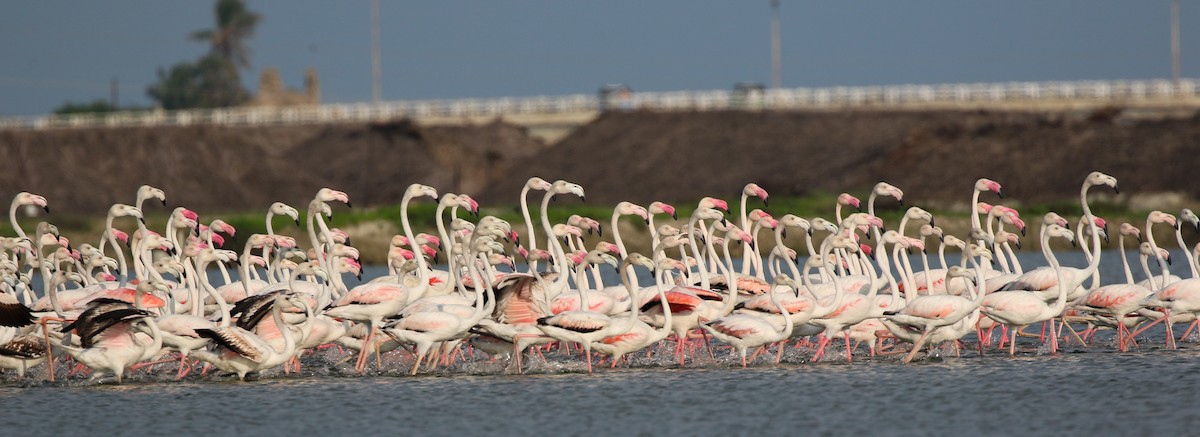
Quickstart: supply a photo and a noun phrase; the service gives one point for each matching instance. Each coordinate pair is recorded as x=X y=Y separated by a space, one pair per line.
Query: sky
x=57 y=51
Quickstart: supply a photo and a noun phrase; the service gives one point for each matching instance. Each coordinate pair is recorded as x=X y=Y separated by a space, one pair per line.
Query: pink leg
x=588 y=351
x=849 y=350
x=1012 y=344
x=820 y=348
x=1189 y=329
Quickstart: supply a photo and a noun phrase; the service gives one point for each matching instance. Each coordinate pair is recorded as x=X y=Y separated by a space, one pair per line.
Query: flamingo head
x=886 y=189
x=713 y=202
x=663 y=208
x=536 y=183
x=120 y=236
x=752 y=189
x=1186 y=215
x=1098 y=178
x=1130 y=230
x=985 y=184
x=564 y=187
x=25 y=198
x=849 y=200
x=330 y=195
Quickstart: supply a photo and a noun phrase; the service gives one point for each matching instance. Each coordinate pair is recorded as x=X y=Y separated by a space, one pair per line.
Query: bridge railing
x=788 y=98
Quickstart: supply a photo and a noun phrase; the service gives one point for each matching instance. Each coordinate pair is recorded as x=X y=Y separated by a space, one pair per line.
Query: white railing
x=793 y=98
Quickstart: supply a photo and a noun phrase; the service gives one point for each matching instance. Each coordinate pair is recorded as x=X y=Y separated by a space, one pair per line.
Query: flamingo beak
x=297 y=222
x=1117 y=188
x=1018 y=244
x=600 y=230
x=1000 y=193
x=164 y=202
x=348 y=205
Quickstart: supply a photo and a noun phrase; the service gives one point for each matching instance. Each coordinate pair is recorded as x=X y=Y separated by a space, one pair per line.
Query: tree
x=211 y=81
x=235 y=24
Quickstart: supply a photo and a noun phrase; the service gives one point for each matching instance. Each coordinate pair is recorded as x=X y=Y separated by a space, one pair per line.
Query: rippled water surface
x=1081 y=391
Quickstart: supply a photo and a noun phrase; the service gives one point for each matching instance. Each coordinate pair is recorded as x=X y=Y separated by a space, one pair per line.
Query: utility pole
x=775 y=57
x=376 y=67
x=1175 y=41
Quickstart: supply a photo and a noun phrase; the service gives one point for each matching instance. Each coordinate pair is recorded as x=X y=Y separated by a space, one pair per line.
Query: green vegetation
x=96 y=106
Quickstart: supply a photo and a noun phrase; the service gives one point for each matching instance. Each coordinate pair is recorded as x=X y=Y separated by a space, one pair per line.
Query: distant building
x=271 y=91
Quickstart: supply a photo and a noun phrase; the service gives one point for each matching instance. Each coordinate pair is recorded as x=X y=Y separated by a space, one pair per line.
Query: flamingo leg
x=917 y=346
x=849 y=355
x=1189 y=329
x=1012 y=344
x=416 y=365
x=1074 y=334
x=820 y=348
x=587 y=350
x=708 y=345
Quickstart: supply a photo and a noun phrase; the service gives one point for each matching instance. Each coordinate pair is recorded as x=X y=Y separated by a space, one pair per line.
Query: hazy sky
x=57 y=51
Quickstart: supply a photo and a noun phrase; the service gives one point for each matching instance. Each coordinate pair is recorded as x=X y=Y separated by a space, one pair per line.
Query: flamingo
x=1017 y=308
x=743 y=331
x=242 y=351
x=371 y=302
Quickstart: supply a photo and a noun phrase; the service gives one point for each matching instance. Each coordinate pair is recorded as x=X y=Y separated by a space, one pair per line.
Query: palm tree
x=235 y=24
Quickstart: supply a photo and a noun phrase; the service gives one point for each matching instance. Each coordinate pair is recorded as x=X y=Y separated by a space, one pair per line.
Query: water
x=1081 y=391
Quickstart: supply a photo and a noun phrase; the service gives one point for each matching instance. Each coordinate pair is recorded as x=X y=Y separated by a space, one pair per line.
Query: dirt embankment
x=222 y=169
x=637 y=156
x=934 y=156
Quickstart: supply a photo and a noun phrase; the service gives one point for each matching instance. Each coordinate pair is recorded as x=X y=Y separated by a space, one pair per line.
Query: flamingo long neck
x=12 y=217
x=839 y=293
x=1162 y=265
x=996 y=245
x=704 y=282
x=730 y=279
x=757 y=259
x=289 y=339
x=270 y=227
x=871 y=210
x=624 y=324
x=452 y=278
x=975 y=225
x=902 y=265
x=795 y=272
x=551 y=242
x=1146 y=269
x=1063 y=286
x=616 y=231
x=112 y=239
x=49 y=289
x=1124 y=258
x=942 y=255
x=528 y=225
x=222 y=305
x=886 y=268
x=244 y=267
x=1016 y=265
x=1191 y=260
x=422 y=269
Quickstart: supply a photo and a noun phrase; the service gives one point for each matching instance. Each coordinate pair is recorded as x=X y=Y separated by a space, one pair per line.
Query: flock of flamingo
x=92 y=317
